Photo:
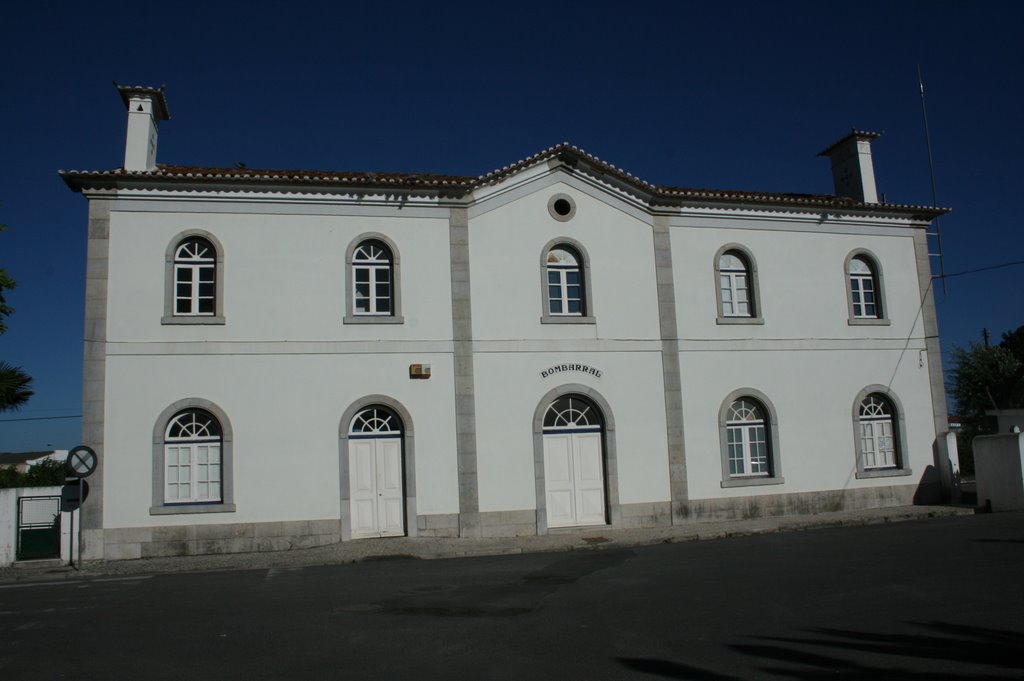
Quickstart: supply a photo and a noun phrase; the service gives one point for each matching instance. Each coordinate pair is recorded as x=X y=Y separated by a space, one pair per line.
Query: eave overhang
x=566 y=156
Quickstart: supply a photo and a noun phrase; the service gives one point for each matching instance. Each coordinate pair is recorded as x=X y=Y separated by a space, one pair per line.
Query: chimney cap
x=855 y=134
x=155 y=93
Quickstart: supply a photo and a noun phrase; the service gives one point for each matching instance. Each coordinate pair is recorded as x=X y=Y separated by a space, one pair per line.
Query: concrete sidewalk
x=433 y=548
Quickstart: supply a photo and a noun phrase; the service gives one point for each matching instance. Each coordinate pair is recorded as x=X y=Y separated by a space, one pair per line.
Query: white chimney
x=146 y=108
x=853 y=174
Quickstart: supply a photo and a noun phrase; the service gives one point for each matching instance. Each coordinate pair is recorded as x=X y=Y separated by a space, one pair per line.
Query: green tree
x=984 y=377
x=15 y=384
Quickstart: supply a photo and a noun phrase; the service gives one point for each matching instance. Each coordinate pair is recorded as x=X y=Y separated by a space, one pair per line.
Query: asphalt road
x=938 y=600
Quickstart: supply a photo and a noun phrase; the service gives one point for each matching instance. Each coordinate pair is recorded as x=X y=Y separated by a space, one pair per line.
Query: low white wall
x=999 y=470
x=9 y=523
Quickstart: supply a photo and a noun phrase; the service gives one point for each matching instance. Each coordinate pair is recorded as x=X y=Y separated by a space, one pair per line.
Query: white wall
x=284 y=275
x=285 y=412
x=509 y=388
x=505 y=247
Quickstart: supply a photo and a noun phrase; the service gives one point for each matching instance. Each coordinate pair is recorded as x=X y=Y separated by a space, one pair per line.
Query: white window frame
x=165 y=504
x=192 y=462
x=737 y=278
x=202 y=267
x=375 y=267
x=576 y=250
x=857 y=314
x=866 y=435
x=729 y=427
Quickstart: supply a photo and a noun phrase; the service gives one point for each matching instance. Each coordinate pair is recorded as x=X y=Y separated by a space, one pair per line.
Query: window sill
x=176 y=509
x=373 y=319
x=868 y=322
x=883 y=473
x=568 y=320
x=186 y=321
x=741 y=320
x=751 y=482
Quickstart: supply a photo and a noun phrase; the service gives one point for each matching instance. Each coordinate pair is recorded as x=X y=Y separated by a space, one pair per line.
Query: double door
x=375 y=475
x=574 y=479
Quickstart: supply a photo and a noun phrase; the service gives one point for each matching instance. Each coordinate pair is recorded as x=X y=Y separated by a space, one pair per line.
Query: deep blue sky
x=737 y=95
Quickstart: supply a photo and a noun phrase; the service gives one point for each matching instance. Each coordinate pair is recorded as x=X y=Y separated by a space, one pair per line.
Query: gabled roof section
x=461 y=185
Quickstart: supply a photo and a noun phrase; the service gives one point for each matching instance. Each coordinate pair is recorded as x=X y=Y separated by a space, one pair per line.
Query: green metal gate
x=38 y=528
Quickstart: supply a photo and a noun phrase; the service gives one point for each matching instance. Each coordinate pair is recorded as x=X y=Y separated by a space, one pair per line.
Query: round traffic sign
x=81 y=462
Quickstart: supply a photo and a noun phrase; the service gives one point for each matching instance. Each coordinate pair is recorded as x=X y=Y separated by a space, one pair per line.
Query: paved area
x=432 y=548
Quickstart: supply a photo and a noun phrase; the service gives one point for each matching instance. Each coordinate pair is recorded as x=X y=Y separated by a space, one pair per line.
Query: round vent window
x=561 y=207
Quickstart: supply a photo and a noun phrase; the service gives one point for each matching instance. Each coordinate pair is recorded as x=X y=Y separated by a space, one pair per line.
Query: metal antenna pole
x=931 y=170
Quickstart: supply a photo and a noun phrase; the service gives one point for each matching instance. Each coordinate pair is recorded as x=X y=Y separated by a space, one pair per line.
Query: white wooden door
x=375 y=481
x=574 y=479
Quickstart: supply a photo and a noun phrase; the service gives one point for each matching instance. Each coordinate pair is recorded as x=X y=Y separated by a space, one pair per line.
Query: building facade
x=278 y=359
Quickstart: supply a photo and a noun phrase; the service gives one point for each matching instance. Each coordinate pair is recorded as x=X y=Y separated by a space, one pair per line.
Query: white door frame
x=612 y=510
x=405 y=470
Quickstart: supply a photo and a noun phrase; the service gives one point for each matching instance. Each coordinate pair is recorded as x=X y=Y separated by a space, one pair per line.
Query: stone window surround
x=771 y=423
x=226 y=504
x=876 y=269
x=588 y=304
x=753 y=286
x=396 y=283
x=408 y=461
x=611 y=478
x=169 y=318
x=899 y=423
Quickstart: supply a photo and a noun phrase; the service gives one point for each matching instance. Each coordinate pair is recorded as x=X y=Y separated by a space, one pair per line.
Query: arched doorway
x=574 y=475
x=376 y=473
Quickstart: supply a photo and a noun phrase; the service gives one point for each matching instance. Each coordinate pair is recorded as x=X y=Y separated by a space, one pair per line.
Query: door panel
x=574 y=479
x=589 y=478
x=389 y=487
x=377 y=494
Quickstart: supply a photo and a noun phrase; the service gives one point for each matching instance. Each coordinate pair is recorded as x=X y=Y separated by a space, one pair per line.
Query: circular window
x=561 y=207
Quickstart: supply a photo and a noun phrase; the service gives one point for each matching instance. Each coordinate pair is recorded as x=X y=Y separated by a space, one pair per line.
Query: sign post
x=80 y=464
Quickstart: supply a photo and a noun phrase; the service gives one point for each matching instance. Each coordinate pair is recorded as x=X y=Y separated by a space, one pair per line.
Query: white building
x=288 y=358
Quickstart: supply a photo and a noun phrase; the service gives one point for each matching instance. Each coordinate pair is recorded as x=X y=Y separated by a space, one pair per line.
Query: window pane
x=556 y=306
x=575 y=307
x=572 y=277
x=383 y=290
x=362 y=274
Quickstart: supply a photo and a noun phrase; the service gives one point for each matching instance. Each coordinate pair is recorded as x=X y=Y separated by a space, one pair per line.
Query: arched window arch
x=864 y=294
x=748 y=431
x=736 y=286
x=192 y=459
x=879 y=433
x=565 y=283
x=194 y=280
x=372 y=275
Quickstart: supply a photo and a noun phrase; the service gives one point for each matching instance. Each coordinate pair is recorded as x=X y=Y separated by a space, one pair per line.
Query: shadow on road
x=788 y=657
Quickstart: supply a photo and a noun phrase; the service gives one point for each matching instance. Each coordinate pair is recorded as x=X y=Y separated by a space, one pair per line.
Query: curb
x=429 y=548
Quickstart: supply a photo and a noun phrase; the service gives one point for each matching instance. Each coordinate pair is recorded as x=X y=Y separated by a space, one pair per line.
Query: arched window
x=195 y=278
x=877 y=433
x=864 y=289
x=572 y=412
x=192 y=458
x=376 y=421
x=372 y=285
x=565 y=274
x=565 y=283
x=194 y=281
x=749 y=439
x=736 y=284
x=374 y=291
